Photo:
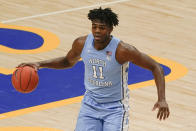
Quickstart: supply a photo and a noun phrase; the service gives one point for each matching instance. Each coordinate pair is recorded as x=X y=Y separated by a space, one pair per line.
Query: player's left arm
x=128 y=53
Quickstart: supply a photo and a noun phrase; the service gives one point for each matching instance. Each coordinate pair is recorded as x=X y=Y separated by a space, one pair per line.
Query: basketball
x=25 y=79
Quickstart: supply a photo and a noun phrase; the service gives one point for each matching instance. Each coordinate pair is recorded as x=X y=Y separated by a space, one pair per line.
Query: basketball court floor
x=40 y=30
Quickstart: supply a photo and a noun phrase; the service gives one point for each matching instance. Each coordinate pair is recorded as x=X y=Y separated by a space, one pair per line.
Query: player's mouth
x=97 y=37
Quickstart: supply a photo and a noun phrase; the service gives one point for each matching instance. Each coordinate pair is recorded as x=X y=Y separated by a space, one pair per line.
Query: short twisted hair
x=104 y=15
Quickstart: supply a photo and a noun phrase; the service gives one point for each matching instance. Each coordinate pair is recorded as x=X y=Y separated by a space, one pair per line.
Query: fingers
x=163 y=113
x=29 y=64
x=155 y=107
x=21 y=65
x=167 y=115
x=159 y=114
x=33 y=66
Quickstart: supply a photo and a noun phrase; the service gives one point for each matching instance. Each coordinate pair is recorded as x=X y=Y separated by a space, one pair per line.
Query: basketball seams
x=17 y=72
x=15 y=76
x=28 y=81
x=21 y=80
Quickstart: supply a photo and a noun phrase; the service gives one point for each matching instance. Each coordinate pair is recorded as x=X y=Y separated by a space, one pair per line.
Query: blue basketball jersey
x=105 y=79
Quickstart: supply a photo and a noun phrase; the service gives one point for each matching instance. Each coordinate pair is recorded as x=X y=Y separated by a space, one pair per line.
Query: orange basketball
x=25 y=79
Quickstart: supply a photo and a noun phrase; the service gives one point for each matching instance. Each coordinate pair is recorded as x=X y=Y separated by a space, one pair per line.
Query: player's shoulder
x=80 y=40
x=124 y=51
x=125 y=47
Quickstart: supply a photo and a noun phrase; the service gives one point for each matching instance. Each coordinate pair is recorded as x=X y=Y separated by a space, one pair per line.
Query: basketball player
x=105 y=106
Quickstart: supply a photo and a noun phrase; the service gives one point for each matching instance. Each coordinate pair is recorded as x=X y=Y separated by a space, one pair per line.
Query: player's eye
x=94 y=27
x=102 y=27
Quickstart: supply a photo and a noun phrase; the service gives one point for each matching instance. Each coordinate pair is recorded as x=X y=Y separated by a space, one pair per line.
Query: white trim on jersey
x=125 y=97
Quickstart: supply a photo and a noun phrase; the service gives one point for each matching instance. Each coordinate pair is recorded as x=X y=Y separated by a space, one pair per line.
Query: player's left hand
x=163 y=107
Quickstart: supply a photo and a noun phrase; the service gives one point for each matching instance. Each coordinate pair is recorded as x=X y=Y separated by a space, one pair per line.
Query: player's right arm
x=67 y=61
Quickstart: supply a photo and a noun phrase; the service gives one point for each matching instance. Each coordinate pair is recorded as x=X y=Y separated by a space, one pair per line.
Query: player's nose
x=97 y=30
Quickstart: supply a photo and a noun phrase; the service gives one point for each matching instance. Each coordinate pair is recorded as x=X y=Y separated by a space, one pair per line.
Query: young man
x=105 y=106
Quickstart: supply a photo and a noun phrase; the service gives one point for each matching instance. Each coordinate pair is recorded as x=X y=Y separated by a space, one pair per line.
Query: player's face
x=101 y=31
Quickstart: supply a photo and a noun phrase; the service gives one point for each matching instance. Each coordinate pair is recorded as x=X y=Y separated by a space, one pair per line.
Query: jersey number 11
x=100 y=72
